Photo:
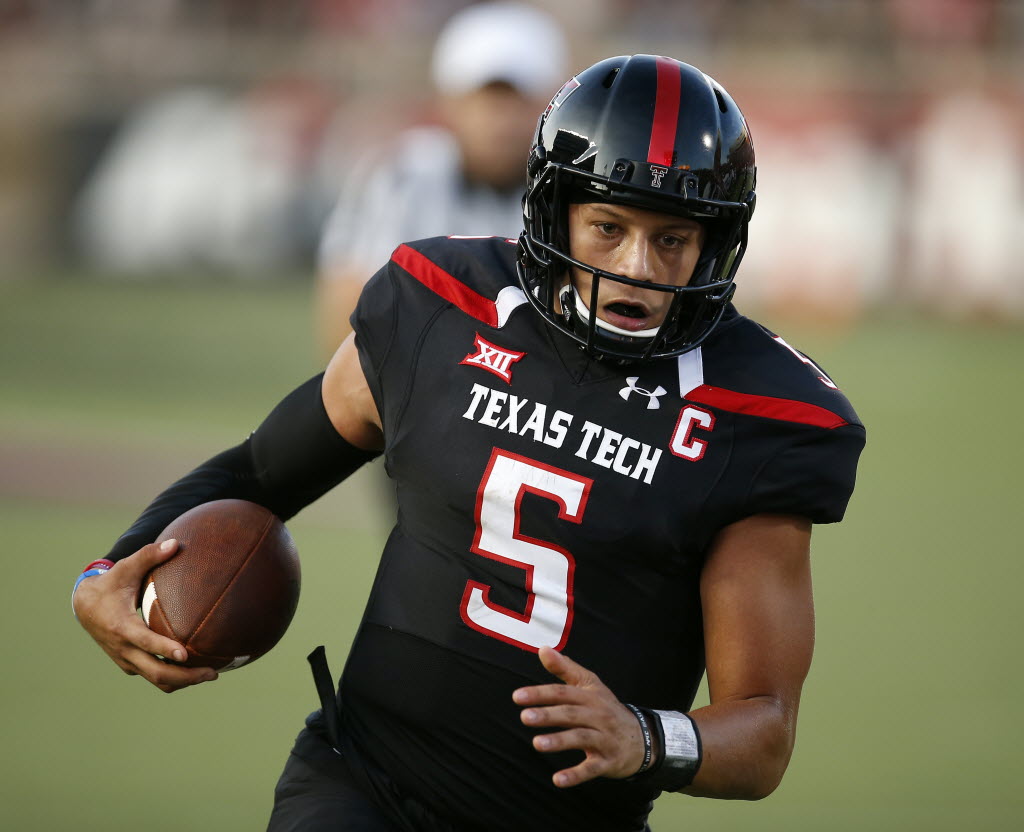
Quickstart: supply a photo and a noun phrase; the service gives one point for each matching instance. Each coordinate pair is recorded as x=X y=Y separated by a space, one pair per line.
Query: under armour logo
x=652 y=395
x=657 y=174
x=493 y=359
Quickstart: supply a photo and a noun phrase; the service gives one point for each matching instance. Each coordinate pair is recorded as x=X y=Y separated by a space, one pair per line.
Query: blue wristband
x=91 y=572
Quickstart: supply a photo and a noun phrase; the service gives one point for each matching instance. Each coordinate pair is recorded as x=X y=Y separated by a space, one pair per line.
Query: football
x=230 y=591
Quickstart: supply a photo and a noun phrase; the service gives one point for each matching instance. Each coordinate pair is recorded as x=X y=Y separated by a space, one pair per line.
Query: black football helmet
x=648 y=132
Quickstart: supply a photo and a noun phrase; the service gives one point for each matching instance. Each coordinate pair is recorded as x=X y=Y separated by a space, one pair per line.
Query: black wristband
x=645 y=730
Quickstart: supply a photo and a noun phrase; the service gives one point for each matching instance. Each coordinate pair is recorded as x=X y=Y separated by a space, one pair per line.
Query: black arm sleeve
x=292 y=459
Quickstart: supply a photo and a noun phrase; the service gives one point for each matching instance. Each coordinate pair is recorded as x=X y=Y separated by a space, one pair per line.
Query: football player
x=607 y=478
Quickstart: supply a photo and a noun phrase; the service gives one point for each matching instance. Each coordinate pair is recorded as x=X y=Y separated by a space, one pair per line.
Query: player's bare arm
x=759 y=637
x=348 y=400
x=759 y=631
x=106 y=608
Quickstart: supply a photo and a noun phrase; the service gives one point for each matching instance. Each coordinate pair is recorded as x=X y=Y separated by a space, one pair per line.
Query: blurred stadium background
x=164 y=171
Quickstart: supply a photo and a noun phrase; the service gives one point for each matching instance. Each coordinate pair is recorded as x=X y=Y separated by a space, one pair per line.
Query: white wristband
x=681 y=754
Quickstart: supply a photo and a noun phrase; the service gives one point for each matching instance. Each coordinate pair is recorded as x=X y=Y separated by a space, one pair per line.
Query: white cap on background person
x=514 y=43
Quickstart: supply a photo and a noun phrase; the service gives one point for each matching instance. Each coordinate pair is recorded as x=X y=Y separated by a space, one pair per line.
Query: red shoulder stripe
x=785 y=410
x=666 y=113
x=453 y=290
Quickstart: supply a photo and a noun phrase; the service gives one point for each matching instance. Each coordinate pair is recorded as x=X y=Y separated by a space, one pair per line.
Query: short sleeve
x=375 y=323
x=812 y=475
x=389 y=320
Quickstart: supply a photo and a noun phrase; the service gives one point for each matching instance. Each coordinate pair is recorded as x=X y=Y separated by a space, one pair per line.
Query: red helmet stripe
x=666 y=113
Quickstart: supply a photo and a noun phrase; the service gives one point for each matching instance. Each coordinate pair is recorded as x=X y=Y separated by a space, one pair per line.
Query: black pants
x=308 y=799
x=321 y=790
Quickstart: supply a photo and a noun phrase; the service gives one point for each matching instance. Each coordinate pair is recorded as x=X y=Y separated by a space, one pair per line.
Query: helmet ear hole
x=568 y=146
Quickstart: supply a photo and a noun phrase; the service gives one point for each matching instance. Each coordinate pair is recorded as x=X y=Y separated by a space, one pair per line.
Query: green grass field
x=911 y=716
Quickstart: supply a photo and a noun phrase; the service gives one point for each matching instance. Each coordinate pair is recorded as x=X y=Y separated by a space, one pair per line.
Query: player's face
x=644 y=245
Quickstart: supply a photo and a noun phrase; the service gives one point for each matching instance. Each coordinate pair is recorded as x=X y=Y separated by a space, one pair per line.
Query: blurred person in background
x=965 y=195
x=202 y=178
x=494 y=67
x=843 y=260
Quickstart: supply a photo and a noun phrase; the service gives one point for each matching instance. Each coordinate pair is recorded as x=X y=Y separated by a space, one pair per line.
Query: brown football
x=230 y=592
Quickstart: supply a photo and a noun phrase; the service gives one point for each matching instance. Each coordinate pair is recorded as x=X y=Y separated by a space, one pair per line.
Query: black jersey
x=546 y=498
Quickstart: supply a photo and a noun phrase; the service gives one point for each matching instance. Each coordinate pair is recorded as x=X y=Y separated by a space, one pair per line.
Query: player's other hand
x=594 y=720
x=105 y=606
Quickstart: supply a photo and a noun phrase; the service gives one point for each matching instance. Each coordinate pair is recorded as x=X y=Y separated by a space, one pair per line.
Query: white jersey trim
x=509 y=299
x=691 y=371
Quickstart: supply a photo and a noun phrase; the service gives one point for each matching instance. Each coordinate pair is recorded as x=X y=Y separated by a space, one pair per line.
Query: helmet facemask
x=646 y=132
x=546 y=266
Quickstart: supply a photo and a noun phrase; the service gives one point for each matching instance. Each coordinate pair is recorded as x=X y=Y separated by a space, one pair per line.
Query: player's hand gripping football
x=105 y=606
x=595 y=722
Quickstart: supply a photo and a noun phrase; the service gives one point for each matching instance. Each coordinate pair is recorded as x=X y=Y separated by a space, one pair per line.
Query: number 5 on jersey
x=547 y=617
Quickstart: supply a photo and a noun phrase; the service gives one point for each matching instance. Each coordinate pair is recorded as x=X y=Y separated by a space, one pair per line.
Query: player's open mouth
x=626 y=315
